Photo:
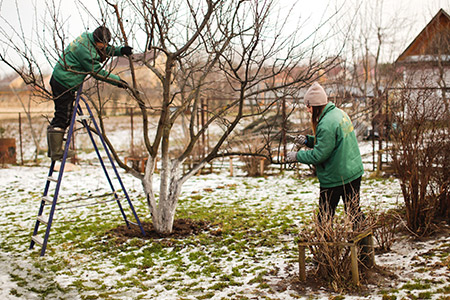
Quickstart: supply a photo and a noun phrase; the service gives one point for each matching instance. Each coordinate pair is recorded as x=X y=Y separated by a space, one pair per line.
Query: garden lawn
x=247 y=252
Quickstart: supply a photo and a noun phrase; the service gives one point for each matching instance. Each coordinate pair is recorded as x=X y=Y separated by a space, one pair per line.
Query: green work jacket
x=80 y=59
x=335 y=151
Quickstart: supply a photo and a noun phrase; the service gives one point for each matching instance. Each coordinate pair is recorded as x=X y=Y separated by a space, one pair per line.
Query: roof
x=426 y=43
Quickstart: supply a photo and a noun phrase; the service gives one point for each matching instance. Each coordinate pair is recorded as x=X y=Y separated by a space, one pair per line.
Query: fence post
x=231 y=166
x=261 y=166
x=301 y=262
x=20 y=139
x=354 y=259
x=132 y=132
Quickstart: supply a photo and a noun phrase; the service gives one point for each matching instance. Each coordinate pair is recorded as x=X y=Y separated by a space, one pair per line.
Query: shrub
x=421 y=154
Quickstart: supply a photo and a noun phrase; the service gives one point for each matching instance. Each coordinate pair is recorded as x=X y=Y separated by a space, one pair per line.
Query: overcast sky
x=417 y=13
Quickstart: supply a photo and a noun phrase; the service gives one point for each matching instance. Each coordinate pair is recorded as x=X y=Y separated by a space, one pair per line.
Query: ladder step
x=42 y=219
x=50 y=178
x=83 y=117
x=48 y=199
x=38 y=240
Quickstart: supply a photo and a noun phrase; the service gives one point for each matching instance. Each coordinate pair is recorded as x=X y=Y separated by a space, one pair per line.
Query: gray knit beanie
x=315 y=96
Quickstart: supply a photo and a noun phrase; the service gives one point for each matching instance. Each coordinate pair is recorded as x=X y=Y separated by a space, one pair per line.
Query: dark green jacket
x=80 y=59
x=335 y=151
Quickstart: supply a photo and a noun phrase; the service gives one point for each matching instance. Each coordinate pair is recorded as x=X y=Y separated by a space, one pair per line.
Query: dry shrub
x=330 y=251
x=442 y=182
x=138 y=152
x=384 y=225
x=252 y=159
x=420 y=155
x=252 y=165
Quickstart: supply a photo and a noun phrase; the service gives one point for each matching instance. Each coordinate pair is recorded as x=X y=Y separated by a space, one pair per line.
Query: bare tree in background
x=35 y=133
x=369 y=72
x=245 y=48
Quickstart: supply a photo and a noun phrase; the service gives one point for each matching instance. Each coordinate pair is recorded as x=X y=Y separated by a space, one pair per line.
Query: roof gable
x=431 y=39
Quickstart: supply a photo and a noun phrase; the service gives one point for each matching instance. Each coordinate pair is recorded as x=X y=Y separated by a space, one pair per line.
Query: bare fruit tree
x=239 y=51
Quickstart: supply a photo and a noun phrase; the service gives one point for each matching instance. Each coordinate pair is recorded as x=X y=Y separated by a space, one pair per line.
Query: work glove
x=122 y=84
x=126 y=50
x=300 y=140
x=291 y=157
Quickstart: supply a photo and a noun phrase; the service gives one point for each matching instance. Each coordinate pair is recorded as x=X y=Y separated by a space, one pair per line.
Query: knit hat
x=315 y=96
x=102 y=35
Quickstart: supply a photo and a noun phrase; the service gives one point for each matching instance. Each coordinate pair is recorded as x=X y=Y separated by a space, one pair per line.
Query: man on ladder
x=83 y=57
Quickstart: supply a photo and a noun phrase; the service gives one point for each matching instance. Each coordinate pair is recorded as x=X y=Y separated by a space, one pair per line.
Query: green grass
x=250 y=222
x=416 y=285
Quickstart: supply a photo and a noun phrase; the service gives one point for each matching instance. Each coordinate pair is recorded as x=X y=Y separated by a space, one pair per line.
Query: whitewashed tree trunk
x=163 y=209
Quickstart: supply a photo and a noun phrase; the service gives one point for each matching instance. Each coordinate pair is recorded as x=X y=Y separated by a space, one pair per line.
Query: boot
x=55 y=139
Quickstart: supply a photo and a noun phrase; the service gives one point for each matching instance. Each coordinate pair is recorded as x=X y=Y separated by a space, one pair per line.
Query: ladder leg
x=58 y=185
x=105 y=146
x=103 y=166
x=41 y=207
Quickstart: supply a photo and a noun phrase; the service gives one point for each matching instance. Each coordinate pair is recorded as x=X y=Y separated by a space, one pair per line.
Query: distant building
x=425 y=63
x=16 y=97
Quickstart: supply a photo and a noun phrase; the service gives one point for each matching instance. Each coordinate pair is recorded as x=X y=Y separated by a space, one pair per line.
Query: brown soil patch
x=181 y=228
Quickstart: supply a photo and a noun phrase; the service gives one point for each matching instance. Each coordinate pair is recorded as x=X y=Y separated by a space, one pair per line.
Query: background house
x=425 y=63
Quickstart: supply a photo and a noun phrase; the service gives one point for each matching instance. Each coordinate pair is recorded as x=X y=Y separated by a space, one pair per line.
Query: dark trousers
x=329 y=199
x=64 y=99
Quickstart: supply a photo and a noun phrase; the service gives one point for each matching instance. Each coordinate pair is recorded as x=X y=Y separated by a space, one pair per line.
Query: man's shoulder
x=82 y=44
x=84 y=40
x=86 y=36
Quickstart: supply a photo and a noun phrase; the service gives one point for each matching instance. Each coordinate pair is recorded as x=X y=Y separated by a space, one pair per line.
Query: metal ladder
x=52 y=201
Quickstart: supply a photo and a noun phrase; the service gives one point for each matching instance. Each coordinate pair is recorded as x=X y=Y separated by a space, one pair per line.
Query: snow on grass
x=258 y=218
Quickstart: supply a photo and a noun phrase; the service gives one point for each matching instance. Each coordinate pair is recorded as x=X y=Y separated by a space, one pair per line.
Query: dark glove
x=126 y=50
x=291 y=157
x=122 y=84
x=300 y=140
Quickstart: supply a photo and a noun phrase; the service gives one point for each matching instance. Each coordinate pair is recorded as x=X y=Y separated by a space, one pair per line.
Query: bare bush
x=385 y=226
x=253 y=165
x=330 y=252
x=420 y=154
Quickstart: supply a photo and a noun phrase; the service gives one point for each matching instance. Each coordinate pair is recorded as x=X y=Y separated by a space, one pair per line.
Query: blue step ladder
x=52 y=200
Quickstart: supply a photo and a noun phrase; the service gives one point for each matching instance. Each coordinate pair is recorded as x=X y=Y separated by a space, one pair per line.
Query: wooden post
x=132 y=132
x=301 y=262
x=283 y=129
x=261 y=166
x=231 y=166
x=143 y=165
x=203 y=119
x=354 y=258
x=20 y=140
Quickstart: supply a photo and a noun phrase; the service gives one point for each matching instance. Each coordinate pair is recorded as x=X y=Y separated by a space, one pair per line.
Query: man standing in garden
x=84 y=56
